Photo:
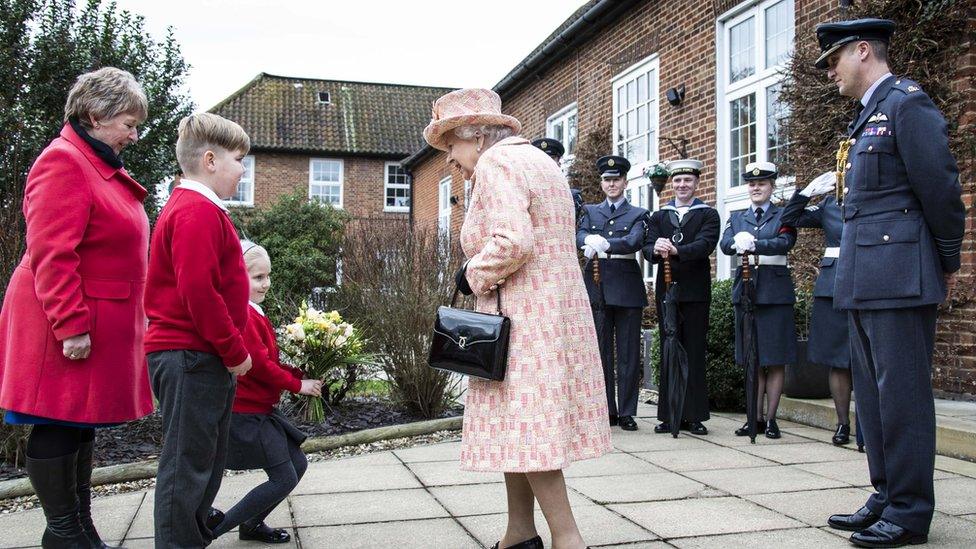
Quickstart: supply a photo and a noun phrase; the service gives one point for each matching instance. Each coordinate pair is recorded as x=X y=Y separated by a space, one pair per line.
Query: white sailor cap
x=760 y=170
x=685 y=166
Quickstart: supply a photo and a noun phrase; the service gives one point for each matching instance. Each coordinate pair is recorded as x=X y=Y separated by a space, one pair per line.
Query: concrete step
x=955 y=422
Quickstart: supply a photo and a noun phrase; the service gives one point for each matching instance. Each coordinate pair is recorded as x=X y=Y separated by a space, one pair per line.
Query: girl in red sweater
x=260 y=436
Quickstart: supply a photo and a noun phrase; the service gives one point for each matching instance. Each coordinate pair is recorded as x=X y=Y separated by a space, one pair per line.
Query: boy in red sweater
x=260 y=436
x=196 y=300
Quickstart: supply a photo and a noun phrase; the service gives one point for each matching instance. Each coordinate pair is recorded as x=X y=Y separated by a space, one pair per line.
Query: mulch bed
x=141 y=440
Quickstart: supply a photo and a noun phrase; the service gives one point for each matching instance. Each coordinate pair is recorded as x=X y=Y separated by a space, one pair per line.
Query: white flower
x=296 y=331
x=348 y=331
x=341 y=340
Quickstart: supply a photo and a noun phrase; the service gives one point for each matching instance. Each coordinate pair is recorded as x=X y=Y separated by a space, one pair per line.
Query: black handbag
x=471 y=343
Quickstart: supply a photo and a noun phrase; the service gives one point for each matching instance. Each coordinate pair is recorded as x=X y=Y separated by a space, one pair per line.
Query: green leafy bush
x=725 y=379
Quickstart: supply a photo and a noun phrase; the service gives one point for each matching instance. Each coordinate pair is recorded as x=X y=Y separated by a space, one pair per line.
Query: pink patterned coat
x=551 y=409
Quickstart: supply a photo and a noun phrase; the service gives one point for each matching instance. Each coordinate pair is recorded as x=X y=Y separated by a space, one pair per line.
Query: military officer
x=828 y=341
x=899 y=252
x=759 y=231
x=685 y=232
x=610 y=233
x=555 y=150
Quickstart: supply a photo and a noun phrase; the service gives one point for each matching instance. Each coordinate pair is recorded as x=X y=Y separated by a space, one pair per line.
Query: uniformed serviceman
x=685 y=231
x=904 y=223
x=555 y=150
x=759 y=231
x=610 y=233
x=828 y=342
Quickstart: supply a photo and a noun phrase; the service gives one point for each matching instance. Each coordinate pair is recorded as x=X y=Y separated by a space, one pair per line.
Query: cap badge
x=610 y=162
x=755 y=171
x=544 y=144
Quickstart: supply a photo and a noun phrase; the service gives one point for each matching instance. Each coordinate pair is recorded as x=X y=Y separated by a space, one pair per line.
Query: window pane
x=642 y=119
x=651 y=89
x=779 y=32
x=742 y=136
x=777 y=146
x=621 y=127
x=642 y=88
x=632 y=123
x=571 y=134
x=557 y=131
x=742 y=55
x=631 y=94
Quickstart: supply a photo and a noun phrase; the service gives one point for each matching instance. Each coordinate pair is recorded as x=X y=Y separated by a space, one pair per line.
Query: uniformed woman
x=685 y=231
x=828 y=343
x=759 y=232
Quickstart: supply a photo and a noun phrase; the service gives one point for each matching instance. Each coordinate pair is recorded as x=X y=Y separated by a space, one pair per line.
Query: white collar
x=206 y=191
x=256 y=307
x=867 y=95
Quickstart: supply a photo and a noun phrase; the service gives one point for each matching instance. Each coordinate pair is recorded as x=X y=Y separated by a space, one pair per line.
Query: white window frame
x=444 y=208
x=248 y=162
x=562 y=116
x=731 y=198
x=341 y=183
x=387 y=186
x=636 y=182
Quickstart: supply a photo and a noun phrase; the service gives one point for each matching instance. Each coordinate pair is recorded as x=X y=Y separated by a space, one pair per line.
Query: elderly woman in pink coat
x=519 y=236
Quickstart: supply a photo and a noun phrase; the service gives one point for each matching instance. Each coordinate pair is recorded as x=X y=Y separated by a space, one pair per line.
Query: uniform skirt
x=828 y=344
x=777 y=335
x=260 y=441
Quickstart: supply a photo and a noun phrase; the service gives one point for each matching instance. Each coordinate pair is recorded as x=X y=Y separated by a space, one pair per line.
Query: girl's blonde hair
x=253 y=252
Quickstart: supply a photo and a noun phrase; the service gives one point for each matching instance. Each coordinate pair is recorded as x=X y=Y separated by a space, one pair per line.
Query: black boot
x=85 y=457
x=55 y=483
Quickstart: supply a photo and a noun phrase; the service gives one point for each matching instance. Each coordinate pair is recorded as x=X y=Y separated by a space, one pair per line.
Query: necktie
x=613 y=208
x=759 y=214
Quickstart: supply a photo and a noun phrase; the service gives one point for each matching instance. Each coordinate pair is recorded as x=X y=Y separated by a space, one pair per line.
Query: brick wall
x=276 y=174
x=682 y=33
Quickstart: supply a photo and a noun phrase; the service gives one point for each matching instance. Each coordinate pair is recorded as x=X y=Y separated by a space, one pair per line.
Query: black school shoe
x=887 y=534
x=627 y=423
x=534 y=543
x=861 y=519
x=694 y=427
x=843 y=435
x=772 y=429
x=663 y=427
x=263 y=533
x=744 y=430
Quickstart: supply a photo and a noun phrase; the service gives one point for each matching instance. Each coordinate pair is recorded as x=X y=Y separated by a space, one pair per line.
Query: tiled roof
x=283 y=113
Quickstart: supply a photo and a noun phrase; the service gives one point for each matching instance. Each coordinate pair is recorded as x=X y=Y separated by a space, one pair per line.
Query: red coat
x=84 y=271
x=260 y=389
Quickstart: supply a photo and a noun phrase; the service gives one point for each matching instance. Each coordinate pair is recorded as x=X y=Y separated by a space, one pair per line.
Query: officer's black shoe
x=214 y=518
x=887 y=534
x=843 y=434
x=861 y=519
x=694 y=427
x=663 y=427
x=534 y=543
x=263 y=533
x=613 y=420
x=772 y=429
x=744 y=430
x=627 y=423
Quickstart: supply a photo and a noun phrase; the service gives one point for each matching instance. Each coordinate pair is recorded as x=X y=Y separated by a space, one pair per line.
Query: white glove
x=822 y=184
x=597 y=242
x=744 y=242
x=588 y=251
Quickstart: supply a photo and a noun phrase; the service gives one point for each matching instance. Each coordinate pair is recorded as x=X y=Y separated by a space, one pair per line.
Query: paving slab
x=480 y=499
x=418 y=534
x=813 y=506
x=698 y=459
x=956 y=496
x=449 y=473
x=951 y=532
x=367 y=478
x=630 y=488
x=853 y=472
x=445 y=451
x=955 y=408
x=727 y=437
x=642 y=441
x=223 y=542
x=703 y=516
x=361 y=507
x=796 y=538
x=805 y=452
x=611 y=464
x=763 y=480
x=956 y=466
x=599 y=527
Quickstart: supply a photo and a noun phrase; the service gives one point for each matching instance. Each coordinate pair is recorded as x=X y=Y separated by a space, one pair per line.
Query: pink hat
x=464 y=107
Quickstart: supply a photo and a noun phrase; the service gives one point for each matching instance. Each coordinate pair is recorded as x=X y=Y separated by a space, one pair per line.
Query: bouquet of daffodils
x=325 y=347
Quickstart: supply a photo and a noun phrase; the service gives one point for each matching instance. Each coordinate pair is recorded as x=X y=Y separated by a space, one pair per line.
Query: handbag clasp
x=462 y=341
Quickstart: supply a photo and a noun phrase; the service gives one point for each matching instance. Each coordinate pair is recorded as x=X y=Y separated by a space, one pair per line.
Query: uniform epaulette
x=906 y=85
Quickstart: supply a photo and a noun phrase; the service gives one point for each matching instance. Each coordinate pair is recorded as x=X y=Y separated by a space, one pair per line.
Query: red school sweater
x=197 y=287
x=259 y=390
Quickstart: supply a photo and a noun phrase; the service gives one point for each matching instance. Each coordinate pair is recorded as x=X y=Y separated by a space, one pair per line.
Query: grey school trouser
x=195 y=392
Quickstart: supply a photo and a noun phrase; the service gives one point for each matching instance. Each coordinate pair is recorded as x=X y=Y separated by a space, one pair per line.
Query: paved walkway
x=653 y=491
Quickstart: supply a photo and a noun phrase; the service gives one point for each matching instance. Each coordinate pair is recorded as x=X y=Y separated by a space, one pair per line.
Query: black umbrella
x=674 y=359
x=750 y=346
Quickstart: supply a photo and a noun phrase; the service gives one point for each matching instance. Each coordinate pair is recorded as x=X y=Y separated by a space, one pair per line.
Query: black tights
x=51 y=441
x=259 y=502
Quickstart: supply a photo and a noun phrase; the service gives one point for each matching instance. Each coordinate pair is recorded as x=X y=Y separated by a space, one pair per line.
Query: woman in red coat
x=72 y=323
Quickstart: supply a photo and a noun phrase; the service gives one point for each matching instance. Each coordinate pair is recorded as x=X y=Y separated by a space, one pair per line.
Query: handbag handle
x=498 y=298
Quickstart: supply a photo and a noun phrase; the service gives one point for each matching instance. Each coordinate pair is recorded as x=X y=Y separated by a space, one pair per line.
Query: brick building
x=339 y=142
x=612 y=62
